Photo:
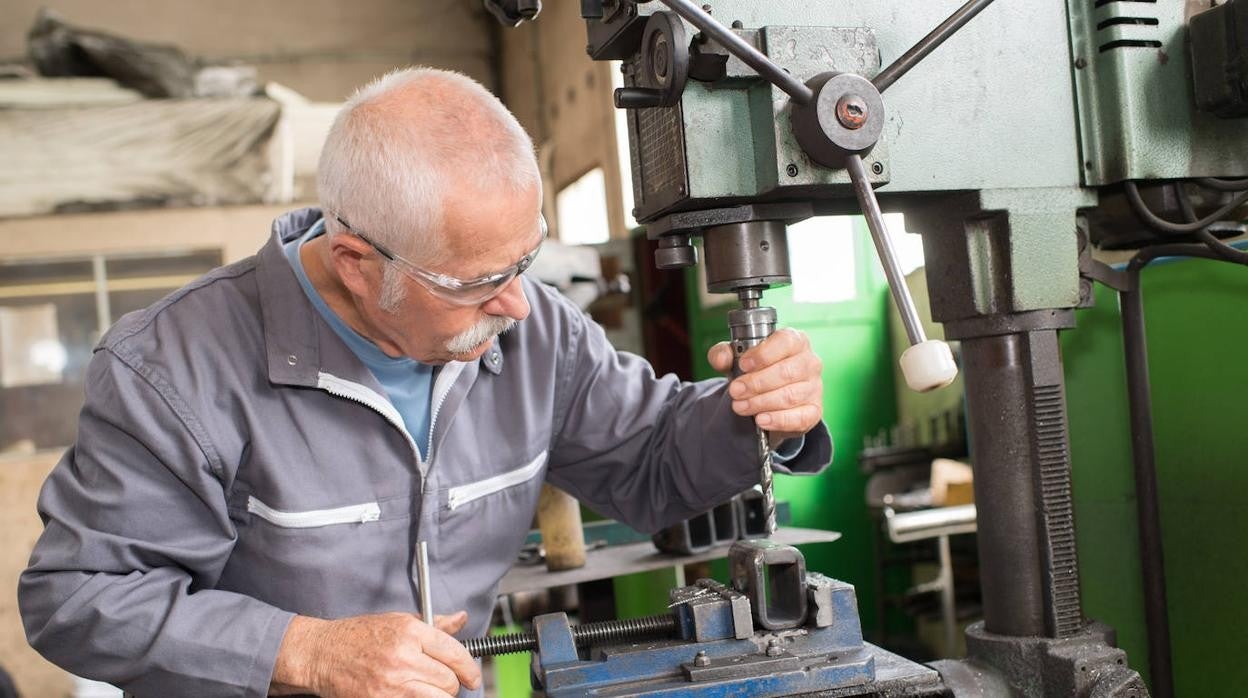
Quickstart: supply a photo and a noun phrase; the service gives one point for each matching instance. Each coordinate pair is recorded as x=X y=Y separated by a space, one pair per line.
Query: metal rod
x=948 y=611
x=587 y=634
x=1147 y=506
x=1148 y=514
x=1148 y=510
x=422 y=578
x=738 y=47
x=927 y=44
x=884 y=248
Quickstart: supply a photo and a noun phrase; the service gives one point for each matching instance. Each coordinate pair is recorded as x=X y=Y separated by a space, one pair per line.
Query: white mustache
x=479 y=334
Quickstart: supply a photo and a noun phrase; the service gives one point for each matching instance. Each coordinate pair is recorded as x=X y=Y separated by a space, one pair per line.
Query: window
x=823 y=260
x=622 y=151
x=909 y=246
x=52 y=314
x=582 y=210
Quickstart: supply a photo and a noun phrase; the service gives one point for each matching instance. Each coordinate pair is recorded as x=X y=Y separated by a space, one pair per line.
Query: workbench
x=616 y=560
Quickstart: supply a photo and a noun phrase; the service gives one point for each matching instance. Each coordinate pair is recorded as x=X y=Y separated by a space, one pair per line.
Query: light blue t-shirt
x=407 y=382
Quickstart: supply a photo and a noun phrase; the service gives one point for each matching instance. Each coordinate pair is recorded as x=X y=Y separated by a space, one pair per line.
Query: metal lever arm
x=928 y=363
x=927 y=44
x=738 y=47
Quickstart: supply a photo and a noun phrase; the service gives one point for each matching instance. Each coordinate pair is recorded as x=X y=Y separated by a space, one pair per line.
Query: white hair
x=484 y=330
x=397 y=147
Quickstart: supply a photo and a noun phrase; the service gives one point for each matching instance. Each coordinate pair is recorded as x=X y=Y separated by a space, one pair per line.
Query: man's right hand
x=389 y=654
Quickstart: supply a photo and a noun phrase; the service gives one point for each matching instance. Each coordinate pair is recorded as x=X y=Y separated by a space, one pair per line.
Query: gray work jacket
x=236 y=464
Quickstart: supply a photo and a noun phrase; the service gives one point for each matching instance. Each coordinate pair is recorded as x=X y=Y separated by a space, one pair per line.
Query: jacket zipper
x=458 y=496
x=441 y=389
x=357 y=513
x=369 y=398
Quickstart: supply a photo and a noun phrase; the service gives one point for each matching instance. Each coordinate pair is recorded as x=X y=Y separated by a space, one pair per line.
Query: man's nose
x=510 y=303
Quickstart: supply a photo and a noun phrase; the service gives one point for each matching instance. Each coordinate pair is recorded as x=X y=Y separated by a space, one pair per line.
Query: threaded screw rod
x=588 y=634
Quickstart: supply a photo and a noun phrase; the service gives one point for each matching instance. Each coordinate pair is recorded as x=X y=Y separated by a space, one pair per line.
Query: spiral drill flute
x=749 y=325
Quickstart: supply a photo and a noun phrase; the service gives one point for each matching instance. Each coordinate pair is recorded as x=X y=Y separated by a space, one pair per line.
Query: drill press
x=769 y=113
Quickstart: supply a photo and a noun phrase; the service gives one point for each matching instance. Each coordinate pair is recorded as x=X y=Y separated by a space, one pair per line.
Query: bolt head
x=851 y=111
x=774 y=649
x=700 y=659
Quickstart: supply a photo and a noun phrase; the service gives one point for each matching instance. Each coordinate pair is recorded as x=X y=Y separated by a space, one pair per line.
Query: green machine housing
x=1008 y=149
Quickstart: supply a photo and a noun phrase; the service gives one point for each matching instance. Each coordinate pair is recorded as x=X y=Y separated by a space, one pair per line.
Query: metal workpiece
x=753 y=254
x=1015 y=401
x=753 y=512
x=773 y=577
x=1083 y=665
x=700 y=533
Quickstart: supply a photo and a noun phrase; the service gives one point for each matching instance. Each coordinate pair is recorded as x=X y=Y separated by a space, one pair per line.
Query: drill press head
x=747 y=258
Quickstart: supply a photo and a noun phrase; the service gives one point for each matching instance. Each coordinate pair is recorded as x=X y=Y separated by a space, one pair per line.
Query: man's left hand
x=781 y=385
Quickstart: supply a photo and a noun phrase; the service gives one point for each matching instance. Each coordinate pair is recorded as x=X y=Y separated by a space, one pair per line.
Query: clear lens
x=470 y=294
x=449 y=288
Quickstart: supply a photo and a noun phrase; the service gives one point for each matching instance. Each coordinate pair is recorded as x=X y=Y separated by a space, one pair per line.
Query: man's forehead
x=490 y=246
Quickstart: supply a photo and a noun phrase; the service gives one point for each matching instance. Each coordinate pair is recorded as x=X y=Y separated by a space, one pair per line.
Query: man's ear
x=349 y=256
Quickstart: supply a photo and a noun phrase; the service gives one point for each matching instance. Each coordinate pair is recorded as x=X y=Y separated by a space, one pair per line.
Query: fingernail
x=764 y=419
x=736 y=389
x=740 y=405
x=747 y=365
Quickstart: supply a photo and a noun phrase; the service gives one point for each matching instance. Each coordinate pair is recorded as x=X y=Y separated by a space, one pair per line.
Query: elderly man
x=260 y=452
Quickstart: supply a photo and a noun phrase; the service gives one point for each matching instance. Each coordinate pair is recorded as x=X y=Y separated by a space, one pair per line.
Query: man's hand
x=781 y=385
x=389 y=654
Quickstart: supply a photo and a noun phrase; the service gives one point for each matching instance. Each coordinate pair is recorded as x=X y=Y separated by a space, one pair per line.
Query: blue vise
x=777 y=631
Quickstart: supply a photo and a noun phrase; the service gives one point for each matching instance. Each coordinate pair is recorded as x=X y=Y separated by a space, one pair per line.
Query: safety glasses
x=449 y=288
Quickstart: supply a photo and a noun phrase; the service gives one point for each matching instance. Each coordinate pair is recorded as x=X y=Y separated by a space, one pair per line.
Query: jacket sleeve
x=136 y=532
x=652 y=451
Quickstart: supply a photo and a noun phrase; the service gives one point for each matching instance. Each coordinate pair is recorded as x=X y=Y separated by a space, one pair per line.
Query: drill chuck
x=748 y=327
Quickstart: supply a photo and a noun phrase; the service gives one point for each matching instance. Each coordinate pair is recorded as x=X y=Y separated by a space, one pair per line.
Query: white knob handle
x=928 y=365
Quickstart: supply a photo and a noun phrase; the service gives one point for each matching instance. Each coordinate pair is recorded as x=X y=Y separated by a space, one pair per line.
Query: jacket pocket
x=315 y=518
x=460 y=495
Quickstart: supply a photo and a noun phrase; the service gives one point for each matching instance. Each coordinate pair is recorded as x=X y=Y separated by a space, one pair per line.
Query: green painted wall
x=1197 y=319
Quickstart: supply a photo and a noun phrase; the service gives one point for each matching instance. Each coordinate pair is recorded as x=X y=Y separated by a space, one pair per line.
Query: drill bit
x=764 y=479
x=749 y=326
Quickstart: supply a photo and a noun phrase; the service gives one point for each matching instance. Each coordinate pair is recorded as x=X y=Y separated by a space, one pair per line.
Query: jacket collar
x=291 y=335
x=299 y=344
